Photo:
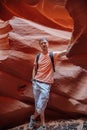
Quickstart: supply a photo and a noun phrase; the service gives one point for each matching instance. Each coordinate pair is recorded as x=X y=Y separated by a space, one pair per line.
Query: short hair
x=43 y=40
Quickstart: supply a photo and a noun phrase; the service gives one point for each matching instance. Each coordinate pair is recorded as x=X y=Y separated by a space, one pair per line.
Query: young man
x=42 y=80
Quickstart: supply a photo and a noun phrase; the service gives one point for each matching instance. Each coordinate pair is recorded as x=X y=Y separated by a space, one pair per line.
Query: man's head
x=43 y=42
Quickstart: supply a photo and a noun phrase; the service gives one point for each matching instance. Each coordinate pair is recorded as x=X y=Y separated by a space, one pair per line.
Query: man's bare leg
x=42 y=117
x=32 y=122
x=36 y=114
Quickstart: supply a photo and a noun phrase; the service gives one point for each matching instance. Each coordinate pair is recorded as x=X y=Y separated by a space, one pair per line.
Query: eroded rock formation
x=18 y=46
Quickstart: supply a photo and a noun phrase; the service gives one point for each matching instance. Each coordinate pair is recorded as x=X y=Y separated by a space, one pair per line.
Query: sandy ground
x=71 y=124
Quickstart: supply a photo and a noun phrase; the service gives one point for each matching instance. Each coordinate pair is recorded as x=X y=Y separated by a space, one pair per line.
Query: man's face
x=44 y=45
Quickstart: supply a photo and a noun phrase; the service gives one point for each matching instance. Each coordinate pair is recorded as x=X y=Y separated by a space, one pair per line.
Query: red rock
x=13 y=112
x=59 y=18
x=17 y=53
x=78 y=47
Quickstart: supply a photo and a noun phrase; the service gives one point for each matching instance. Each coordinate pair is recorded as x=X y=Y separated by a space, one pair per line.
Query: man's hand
x=63 y=53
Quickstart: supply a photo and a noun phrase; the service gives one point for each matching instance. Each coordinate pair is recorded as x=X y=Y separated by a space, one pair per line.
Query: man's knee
x=39 y=110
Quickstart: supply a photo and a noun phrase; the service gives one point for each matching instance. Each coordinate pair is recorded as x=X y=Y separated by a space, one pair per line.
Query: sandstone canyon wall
x=22 y=24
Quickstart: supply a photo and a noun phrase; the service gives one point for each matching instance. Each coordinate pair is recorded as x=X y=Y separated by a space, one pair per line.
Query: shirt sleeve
x=58 y=55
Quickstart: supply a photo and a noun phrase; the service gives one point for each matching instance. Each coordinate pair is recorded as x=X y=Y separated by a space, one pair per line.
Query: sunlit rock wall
x=22 y=31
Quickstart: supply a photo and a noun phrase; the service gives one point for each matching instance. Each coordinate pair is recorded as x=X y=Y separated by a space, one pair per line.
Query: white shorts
x=41 y=94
